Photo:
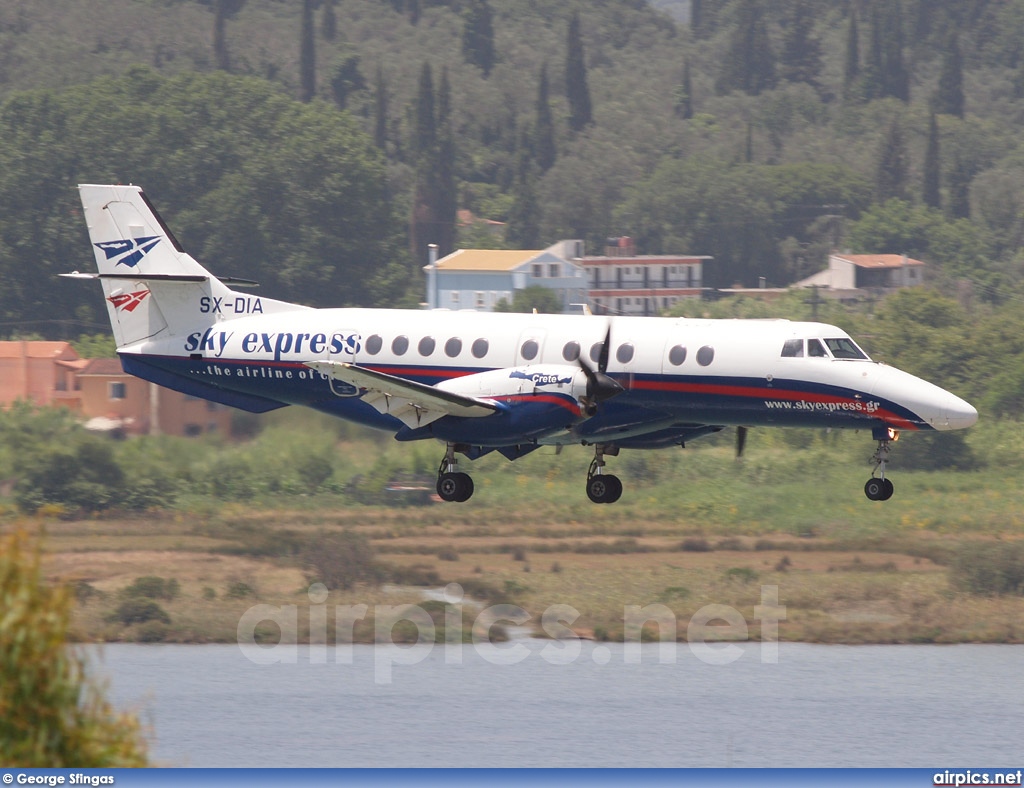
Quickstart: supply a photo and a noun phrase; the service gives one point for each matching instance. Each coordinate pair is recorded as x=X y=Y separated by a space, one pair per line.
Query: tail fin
x=151 y=285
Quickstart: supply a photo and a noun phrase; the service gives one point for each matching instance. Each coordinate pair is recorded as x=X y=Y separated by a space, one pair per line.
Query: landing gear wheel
x=604 y=488
x=457 y=487
x=878 y=489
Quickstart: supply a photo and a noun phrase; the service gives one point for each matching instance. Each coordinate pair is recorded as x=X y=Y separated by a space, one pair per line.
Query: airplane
x=483 y=382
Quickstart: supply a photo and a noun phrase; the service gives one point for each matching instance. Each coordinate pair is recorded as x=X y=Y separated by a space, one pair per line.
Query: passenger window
x=571 y=351
x=480 y=348
x=625 y=353
x=815 y=349
x=705 y=355
x=529 y=349
x=845 y=348
x=793 y=348
x=400 y=345
x=374 y=344
x=426 y=346
x=677 y=355
x=595 y=351
x=453 y=347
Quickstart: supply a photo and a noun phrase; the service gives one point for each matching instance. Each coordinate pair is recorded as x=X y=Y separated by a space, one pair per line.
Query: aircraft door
x=530 y=347
x=345 y=345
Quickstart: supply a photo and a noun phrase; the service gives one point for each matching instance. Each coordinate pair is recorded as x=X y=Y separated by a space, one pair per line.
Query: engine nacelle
x=534 y=400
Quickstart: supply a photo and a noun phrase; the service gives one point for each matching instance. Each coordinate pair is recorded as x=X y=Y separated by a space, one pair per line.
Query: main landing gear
x=879 y=488
x=602 y=487
x=451 y=484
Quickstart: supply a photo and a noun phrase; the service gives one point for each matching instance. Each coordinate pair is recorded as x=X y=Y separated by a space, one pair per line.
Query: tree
x=949 y=97
x=959 y=188
x=307 y=54
x=329 y=22
x=684 y=94
x=433 y=209
x=851 y=63
x=542 y=299
x=887 y=73
x=576 y=89
x=544 y=131
x=800 y=60
x=447 y=197
x=523 y=229
x=51 y=714
x=749 y=63
x=222 y=11
x=930 y=193
x=346 y=79
x=893 y=164
x=380 y=110
x=478 y=36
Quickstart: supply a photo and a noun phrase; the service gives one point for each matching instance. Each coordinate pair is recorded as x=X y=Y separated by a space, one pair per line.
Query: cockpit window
x=794 y=348
x=815 y=349
x=842 y=347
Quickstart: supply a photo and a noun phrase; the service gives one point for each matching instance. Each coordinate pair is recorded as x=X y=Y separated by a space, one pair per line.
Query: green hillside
x=750 y=136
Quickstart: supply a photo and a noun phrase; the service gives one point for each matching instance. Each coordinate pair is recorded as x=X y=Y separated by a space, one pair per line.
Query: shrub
x=695 y=545
x=339 y=560
x=989 y=569
x=238 y=589
x=139 y=611
x=152 y=632
x=51 y=714
x=447 y=554
x=743 y=574
x=152 y=587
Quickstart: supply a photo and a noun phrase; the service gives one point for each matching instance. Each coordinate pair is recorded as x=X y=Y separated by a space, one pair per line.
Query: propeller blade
x=602 y=359
x=741 y=441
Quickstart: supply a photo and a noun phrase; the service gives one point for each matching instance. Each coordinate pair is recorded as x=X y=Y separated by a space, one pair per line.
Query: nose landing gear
x=879 y=488
x=451 y=484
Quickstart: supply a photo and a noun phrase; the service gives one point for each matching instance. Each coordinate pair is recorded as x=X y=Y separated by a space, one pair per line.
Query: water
x=886 y=706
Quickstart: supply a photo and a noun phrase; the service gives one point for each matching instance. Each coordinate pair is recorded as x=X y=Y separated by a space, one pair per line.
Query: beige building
x=106 y=398
x=852 y=274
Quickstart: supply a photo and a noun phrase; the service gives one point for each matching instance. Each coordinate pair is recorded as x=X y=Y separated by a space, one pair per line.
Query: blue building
x=479 y=278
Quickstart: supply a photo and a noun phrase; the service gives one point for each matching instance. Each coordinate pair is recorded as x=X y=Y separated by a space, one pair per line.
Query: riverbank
x=201 y=572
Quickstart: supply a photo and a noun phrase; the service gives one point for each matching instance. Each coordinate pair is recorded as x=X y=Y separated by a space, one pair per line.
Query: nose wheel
x=452 y=485
x=878 y=488
x=602 y=487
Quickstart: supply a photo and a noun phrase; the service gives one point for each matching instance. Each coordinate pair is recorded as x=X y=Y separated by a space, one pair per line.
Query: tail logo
x=126 y=302
x=129 y=251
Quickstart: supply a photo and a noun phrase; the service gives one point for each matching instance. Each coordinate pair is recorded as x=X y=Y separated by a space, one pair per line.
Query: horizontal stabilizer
x=165 y=278
x=415 y=404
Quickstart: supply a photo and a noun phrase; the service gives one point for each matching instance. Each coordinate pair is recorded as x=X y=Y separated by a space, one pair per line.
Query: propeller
x=600 y=385
x=741 y=441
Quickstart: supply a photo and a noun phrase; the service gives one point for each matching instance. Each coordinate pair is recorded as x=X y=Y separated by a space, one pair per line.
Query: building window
x=554 y=271
x=117 y=390
x=193 y=430
x=480 y=301
x=538 y=271
x=455 y=297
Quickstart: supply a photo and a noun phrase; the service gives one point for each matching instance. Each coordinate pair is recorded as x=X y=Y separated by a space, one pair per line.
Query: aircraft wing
x=415 y=404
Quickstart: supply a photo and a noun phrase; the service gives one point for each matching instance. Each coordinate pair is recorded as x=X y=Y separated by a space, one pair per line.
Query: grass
x=694 y=527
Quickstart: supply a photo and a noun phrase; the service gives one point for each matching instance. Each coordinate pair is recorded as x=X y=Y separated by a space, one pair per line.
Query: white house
x=849 y=273
x=479 y=278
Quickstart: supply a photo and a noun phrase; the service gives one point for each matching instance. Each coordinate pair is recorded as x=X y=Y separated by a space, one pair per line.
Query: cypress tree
x=800 y=60
x=380 y=111
x=545 y=150
x=426 y=124
x=872 y=81
x=697 y=18
x=684 y=95
x=447 y=198
x=307 y=54
x=891 y=173
x=896 y=77
x=478 y=37
x=959 y=188
x=749 y=63
x=523 y=231
x=329 y=21
x=223 y=10
x=576 y=90
x=949 y=97
x=851 y=65
x=931 y=195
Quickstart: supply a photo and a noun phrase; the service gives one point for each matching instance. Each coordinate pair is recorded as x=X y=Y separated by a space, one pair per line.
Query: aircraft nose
x=959 y=414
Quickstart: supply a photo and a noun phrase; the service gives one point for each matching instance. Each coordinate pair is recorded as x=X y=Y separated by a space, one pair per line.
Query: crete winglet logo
x=128 y=251
x=126 y=302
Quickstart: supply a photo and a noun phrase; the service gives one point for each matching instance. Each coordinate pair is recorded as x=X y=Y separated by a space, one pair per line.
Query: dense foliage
x=51 y=714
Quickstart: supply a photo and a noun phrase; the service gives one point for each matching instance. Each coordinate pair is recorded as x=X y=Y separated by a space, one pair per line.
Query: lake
x=926 y=706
